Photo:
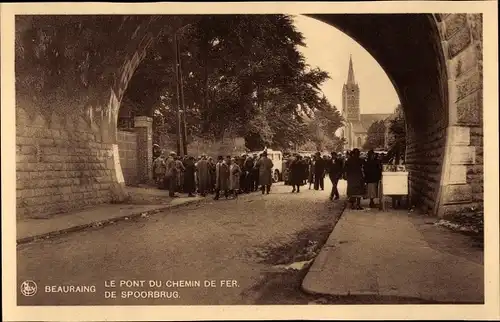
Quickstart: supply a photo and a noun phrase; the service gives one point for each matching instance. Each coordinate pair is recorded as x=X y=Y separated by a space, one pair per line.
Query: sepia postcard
x=258 y=160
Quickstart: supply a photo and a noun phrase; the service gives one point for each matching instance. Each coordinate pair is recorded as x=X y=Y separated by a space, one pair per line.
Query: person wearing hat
x=171 y=174
x=311 y=171
x=335 y=171
x=234 y=177
x=255 y=173
x=203 y=174
x=295 y=169
x=319 y=172
x=373 y=175
x=265 y=166
x=221 y=178
x=355 y=179
x=189 y=176
x=247 y=169
x=243 y=178
x=159 y=169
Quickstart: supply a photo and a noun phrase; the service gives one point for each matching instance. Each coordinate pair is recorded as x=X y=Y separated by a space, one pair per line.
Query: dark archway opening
x=408 y=47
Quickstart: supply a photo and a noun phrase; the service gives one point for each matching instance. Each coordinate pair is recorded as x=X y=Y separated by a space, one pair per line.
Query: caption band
x=158 y=289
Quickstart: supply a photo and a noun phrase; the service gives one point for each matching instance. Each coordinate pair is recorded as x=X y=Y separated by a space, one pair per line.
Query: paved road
x=232 y=245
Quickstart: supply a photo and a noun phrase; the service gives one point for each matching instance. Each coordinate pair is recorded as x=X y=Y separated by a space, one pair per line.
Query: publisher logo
x=28 y=288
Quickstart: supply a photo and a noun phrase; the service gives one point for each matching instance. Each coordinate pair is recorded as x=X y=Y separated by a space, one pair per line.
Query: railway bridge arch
x=66 y=135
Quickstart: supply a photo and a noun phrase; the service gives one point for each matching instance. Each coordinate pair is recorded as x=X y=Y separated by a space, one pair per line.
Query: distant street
x=238 y=244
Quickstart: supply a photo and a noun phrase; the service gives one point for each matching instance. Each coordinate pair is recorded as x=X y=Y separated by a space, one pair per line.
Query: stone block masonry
x=61 y=169
x=424 y=157
x=144 y=130
x=127 y=147
x=463 y=176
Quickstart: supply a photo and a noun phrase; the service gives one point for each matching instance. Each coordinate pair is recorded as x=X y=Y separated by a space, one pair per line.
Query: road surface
x=216 y=253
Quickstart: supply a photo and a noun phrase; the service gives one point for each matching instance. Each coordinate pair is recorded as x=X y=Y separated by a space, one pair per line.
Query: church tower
x=350 y=97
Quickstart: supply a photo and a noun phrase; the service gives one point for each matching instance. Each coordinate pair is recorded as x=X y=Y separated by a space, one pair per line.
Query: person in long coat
x=189 y=180
x=159 y=169
x=171 y=175
x=265 y=166
x=212 y=177
x=335 y=171
x=319 y=172
x=373 y=174
x=296 y=172
x=255 y=173
x=234 y=177
x=311 y=170
x=355 y=179
x=221 y=178
x=203 y=175
x=249 y=174
x=179 y=167
x=243 y=178
x=304 y=163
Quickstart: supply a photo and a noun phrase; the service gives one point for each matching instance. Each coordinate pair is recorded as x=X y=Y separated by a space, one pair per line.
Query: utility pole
x=183 y=107
x=180 y=143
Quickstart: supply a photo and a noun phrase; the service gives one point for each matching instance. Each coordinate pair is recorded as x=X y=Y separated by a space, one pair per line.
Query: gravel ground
x=238 y=250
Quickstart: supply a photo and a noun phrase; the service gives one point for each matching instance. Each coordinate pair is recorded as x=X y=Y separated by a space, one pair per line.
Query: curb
x=304 y=288
x=101 y=223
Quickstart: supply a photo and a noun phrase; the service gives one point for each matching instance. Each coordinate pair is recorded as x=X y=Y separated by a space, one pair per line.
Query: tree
x=375 y=136
x=397 y=137
x=243 y=76
x=397 y=130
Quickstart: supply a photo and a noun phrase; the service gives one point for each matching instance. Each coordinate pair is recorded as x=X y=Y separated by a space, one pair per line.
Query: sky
x=377 y=94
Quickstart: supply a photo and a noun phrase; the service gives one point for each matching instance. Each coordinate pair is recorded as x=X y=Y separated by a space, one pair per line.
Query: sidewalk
x=143 y=202
x=395 y=253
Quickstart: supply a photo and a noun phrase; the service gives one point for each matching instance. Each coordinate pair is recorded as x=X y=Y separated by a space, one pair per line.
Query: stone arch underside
x=434 y=62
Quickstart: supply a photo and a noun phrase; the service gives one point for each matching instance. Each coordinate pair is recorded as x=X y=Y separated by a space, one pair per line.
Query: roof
x=369 y=119
x=357 y=127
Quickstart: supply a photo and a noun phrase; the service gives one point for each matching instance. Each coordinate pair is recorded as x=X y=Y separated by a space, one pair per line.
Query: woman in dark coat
x=373 y=174
x=311 y=170
x=212 y=175
x=189 y=173
x=355 y=179
x=296 y=173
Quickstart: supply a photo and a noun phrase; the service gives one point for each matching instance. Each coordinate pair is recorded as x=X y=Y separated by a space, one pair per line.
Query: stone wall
x=462 y=179
x=424 y=159
x=144 y=129
x=60 y=165
x=127 y=147
x=67 y=154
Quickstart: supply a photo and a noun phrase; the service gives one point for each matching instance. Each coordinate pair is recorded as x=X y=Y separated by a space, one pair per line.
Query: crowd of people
x=229 y=176
x=232 y=175
x=362 y=174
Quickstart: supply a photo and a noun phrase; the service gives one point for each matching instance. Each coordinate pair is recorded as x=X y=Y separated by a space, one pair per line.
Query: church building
x=356 y=125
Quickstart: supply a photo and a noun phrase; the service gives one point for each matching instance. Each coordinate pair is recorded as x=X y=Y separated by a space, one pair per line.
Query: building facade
x=355 y=129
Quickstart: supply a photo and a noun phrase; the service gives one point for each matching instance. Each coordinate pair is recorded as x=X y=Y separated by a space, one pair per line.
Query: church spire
x=350 y=75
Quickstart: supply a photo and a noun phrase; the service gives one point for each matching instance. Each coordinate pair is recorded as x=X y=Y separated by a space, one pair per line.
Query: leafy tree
x=397 y=130
x=240 y=71
x=243 y=75
x=375 y=136
x=397 y=137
